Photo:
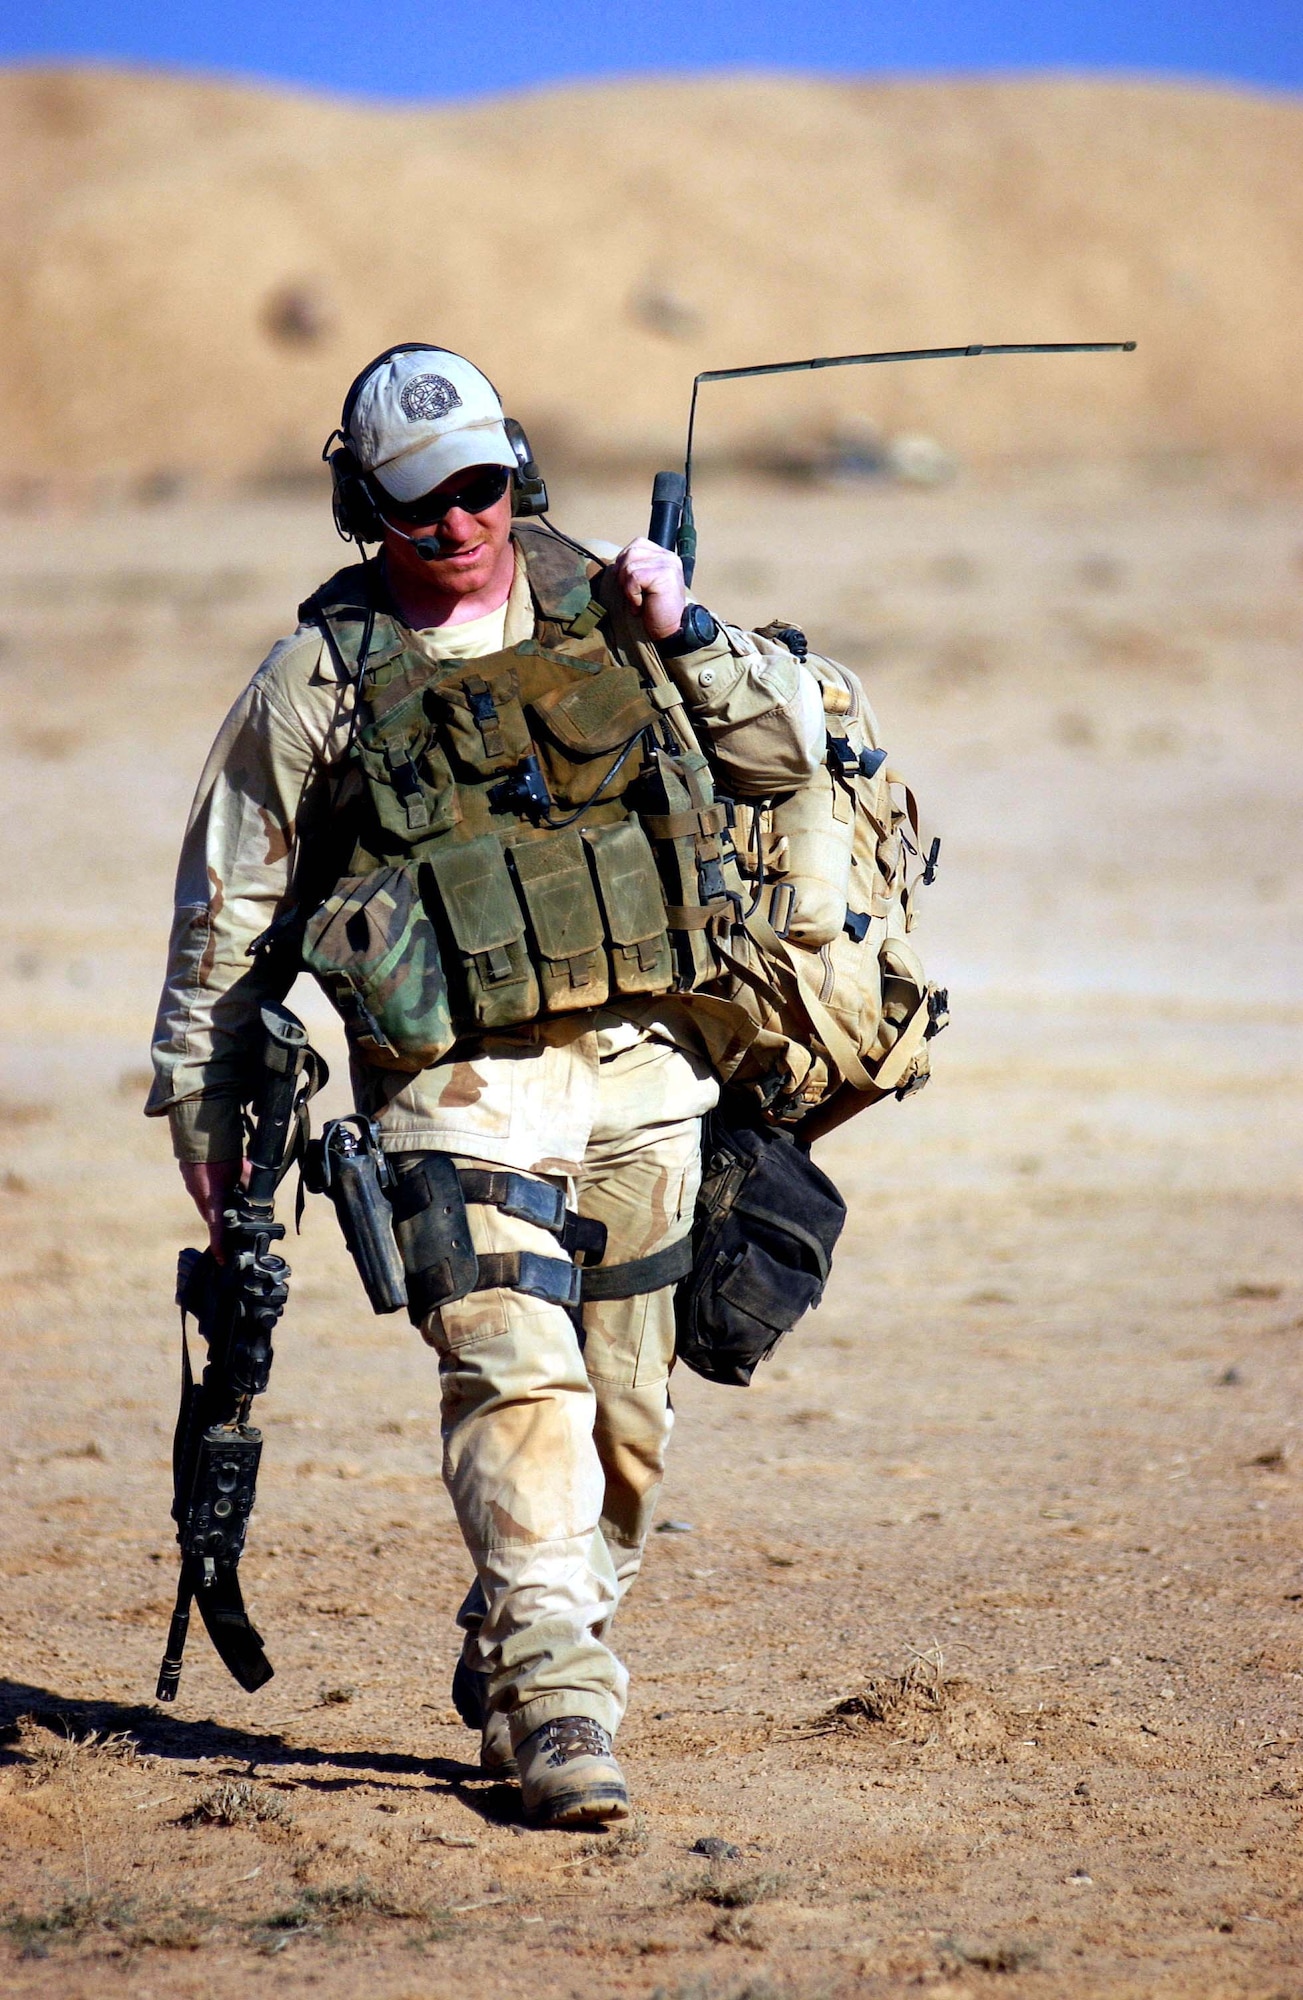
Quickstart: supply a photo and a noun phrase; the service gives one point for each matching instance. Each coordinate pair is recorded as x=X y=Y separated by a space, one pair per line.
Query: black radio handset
x=671 y=519
x=669 y=490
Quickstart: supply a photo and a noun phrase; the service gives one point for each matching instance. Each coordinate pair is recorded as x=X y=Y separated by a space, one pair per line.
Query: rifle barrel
x=169 y=1674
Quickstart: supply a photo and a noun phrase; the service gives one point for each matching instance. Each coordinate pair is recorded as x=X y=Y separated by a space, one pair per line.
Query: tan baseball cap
x=423 y=415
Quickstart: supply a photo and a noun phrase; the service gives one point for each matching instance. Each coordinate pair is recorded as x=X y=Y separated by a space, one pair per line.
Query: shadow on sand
x=160 y=1734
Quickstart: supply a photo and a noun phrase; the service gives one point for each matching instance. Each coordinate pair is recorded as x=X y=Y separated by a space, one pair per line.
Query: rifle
x=236 y=1304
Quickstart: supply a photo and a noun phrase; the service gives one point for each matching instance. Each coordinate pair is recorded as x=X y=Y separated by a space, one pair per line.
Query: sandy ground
x=1024 y=1493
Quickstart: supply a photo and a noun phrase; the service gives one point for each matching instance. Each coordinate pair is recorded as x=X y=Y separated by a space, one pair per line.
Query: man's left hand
x=652 y=580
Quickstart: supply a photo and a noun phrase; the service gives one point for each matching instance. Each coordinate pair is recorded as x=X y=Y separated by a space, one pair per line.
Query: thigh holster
x=429 y=1198
x=433 y=1234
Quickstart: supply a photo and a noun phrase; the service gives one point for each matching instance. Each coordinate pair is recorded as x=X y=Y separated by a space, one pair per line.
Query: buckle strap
x=682 y=825
x=642 y=1274
x=516 y=1195
x=584 y=1237
x=535 y=1201
x=525 y=1271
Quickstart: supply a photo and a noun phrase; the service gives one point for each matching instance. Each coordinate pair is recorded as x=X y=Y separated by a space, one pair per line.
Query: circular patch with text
x=426 y=398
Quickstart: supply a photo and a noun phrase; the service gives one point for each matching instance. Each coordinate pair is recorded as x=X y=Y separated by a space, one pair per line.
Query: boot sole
x=588 y=1807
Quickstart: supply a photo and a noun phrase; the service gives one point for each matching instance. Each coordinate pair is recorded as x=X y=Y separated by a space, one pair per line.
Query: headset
x=353 y=503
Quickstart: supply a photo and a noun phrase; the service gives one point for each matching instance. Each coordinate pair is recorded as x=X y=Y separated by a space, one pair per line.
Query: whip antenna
x=672 y=524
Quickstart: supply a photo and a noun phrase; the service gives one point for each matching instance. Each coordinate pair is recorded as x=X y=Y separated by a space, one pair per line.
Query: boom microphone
x=427 y=546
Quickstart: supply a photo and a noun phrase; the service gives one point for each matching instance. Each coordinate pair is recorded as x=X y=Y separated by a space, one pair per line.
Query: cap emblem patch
x=426 y=398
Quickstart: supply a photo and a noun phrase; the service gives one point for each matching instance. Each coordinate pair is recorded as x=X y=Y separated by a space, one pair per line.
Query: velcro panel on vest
x=641 y=1274
x=584 y=727
x=633 y=904
x=557 y=892
x=473 y=886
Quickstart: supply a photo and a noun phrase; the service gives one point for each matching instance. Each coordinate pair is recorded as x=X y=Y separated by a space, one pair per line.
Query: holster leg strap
x=530 y=1200
x=525 y=1271
x=429 y=1206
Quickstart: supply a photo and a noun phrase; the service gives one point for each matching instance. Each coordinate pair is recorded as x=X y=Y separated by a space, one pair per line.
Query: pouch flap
x=629 y=882
x=766 y=1290
x=558 y=893
x=900 y=962
x=596 y=715
x=474 y=887
x=374 y=950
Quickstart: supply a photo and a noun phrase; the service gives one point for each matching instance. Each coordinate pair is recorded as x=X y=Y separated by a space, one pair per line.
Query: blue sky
x=413 y=49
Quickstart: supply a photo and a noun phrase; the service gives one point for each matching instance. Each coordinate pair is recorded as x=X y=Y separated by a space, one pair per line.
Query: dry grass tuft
x=732 y=1892
x=625 y=1844
x=332 y=1906
x=49 y=1755
x=1005 y=1956
x=235 y=1802
x=78 y=1919
x=919 y=1705
x=919 y=1690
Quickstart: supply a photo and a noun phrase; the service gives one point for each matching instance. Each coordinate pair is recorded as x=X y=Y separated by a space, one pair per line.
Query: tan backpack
x=838 y=1000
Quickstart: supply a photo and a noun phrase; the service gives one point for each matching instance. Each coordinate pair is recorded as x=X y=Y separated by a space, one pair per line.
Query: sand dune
x=189 y=271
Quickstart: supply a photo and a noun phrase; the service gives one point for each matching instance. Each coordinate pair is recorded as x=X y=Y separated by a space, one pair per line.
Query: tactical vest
x=527 y=838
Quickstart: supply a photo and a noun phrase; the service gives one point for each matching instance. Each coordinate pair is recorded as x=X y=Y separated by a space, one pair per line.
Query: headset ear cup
x=356 y=516
x=529 y=489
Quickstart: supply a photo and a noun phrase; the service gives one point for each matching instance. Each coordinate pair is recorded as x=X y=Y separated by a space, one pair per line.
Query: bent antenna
x=672 y=525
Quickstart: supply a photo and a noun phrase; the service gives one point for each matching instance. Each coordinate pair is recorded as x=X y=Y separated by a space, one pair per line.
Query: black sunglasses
x=481 y=491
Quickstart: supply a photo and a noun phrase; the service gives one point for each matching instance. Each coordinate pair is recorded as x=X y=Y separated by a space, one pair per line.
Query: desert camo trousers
x=554 y=1442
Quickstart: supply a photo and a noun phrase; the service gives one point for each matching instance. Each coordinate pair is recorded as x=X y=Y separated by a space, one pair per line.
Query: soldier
x=577 y=1097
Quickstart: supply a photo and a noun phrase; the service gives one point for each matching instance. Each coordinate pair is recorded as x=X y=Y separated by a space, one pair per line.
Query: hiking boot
x=470 y=1698
x=569 y=1776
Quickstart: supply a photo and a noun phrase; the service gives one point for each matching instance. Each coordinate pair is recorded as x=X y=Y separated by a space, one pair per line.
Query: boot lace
x=572 y=1736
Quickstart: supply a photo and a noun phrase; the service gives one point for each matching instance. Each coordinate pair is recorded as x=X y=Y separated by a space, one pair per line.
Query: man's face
x=472 y=539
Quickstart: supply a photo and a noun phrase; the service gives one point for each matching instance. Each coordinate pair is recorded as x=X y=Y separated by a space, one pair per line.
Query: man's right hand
x=210 y=1185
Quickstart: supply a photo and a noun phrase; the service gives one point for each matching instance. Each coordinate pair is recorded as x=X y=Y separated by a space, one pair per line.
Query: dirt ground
x=975 y=1628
